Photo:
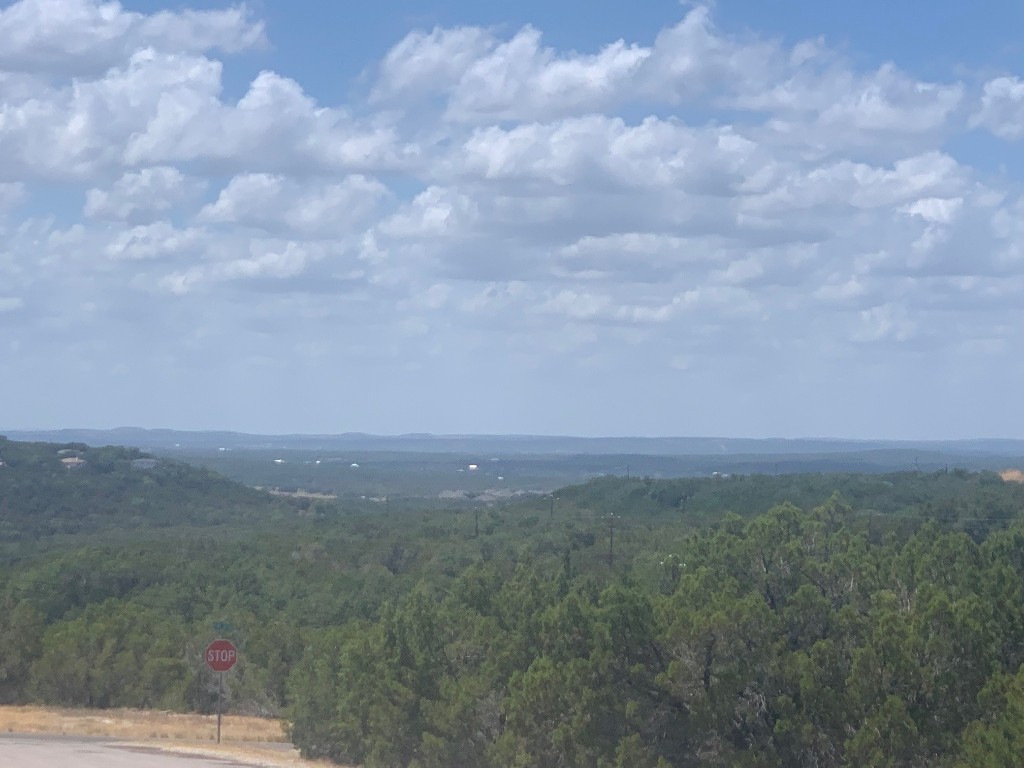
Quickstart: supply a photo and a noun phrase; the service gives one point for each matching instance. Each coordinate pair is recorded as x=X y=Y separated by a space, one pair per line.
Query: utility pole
x=476 y=523
x=611 y=538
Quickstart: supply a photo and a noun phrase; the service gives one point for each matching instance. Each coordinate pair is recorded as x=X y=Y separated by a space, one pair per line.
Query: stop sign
x=221 y=655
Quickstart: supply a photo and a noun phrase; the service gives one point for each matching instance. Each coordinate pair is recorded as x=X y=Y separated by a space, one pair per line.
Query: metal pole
x=611 y=540
x=220 y=699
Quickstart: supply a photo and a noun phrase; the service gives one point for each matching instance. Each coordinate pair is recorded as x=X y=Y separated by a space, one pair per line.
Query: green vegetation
x=826 y=620
x=49 y=490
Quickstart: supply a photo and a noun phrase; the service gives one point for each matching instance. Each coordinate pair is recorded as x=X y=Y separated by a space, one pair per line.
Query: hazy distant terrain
x=530 y=444
x=432 y=466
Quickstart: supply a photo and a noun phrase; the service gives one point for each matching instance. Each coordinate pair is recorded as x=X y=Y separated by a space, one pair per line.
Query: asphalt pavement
x=51 y=751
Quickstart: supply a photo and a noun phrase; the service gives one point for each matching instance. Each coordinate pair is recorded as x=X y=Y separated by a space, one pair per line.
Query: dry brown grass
x=251 y=740
x=138 y=725
x=1012 y=475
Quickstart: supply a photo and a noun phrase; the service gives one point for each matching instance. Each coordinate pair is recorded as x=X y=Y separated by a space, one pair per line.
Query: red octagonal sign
x=221 y=655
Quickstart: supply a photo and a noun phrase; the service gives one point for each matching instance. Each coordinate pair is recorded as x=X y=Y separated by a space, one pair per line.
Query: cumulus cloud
x=86 y=128
x=600 y=150
x=157 y=240
x=434 y=213
x=883 y=322
x=268 y=202
x=76 y=37
x=275 y=127
x=430 y=62
x=166 y=109
x=693 y=59
x=520 y=79
x=141 y=194
x=1002 y=108
x=266 y=260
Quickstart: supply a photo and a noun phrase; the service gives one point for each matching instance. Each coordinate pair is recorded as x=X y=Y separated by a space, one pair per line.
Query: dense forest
x=751 y=620
x=50 y=490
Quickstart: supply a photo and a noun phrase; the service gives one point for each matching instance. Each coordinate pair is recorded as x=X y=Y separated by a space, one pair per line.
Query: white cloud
x=229 y=30
x=165 y=109
x=1002 y=108
x=742 y=271
x=157 y=240
x=435 y=212
x=837 y=290
x=71 y=37
x=269 y=202
x=889 y=102
x=142 y=194
x=521 y=80
x=693 y=59
x=820 y=113
x=82 y=129
x=275 y=127
x=486 y=79
x=634 y=256
x=494 y=296
x=271 y=260
x=862 y=186
x=1007 y=223
x=430 y=62
x=936 y=210
x=599 y=150
x=885 y=322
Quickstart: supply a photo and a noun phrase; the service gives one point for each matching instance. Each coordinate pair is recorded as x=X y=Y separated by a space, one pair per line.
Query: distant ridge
x=169 y=439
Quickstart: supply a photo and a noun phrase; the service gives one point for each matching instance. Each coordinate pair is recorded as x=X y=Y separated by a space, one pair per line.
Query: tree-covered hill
x=957 y=495
x=758 y=621
x=51 y=489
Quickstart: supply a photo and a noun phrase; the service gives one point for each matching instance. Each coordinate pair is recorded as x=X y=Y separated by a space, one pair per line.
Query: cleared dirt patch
x=1012 y=475
x=299 y=494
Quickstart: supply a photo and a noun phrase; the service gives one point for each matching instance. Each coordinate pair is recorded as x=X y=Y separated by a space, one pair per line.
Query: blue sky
x=595 y=218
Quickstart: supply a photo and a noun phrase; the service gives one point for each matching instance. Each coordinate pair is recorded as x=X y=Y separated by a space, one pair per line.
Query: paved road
x=48 y=752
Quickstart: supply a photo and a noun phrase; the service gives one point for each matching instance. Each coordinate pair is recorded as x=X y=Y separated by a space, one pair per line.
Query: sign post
x=221 y=656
